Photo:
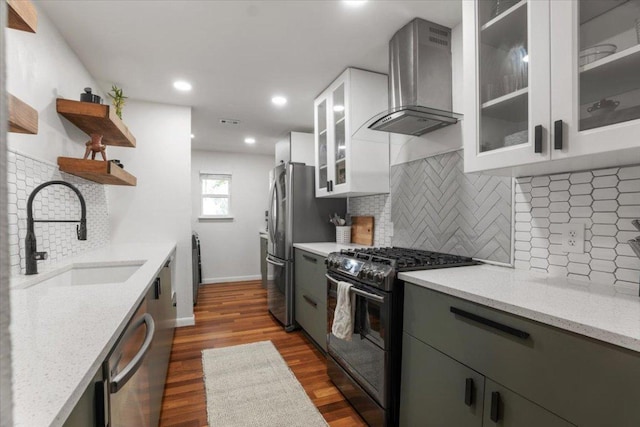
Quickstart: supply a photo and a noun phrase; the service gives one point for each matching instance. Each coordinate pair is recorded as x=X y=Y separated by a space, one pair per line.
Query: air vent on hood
x=419 y=81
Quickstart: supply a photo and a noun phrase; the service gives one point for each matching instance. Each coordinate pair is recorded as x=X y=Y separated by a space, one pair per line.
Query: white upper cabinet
x=351 y=160
x=551 y=86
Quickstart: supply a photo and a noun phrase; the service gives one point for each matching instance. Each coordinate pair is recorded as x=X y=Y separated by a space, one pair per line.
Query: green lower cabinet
x=436 y=390
x=90 y=409
x=310 y=296
x=502 y=407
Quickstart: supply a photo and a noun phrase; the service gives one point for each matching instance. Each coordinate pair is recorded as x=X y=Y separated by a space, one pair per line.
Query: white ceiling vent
x=230 y=121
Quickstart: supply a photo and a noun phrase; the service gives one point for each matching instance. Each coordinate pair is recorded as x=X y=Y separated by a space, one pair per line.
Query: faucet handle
x=40 y=256
x=81 y=231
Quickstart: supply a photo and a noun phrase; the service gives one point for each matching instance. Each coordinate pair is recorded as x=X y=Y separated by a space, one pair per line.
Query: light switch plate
x=573 y=238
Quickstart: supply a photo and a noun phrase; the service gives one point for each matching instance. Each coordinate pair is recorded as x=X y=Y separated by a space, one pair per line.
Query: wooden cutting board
x=362 y=230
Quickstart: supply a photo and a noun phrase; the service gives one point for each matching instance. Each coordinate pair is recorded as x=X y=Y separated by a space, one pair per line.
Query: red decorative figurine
x=95 y=146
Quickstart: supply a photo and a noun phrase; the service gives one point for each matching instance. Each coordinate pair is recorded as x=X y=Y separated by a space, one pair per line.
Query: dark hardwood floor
x=236 y=313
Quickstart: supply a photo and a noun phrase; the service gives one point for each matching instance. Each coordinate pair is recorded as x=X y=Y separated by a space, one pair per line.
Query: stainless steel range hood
x=419 y=81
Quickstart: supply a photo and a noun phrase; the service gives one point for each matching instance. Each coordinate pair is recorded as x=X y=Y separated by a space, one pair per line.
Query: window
x=216 y=195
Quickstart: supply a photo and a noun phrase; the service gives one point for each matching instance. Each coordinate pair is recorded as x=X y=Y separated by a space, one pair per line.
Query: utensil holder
x=343 y=234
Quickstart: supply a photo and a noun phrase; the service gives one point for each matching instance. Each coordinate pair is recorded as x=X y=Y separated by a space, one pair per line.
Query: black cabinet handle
x=156 y=290
x=488 y=322
x=557 y=132
x=328 y=187
x=468 y=392
x=101 y=403
x=495 y=407
x=310 y=301
x=537 y=146
x=310 y=258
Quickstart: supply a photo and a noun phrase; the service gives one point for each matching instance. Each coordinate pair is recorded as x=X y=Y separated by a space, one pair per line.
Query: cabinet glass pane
x=339 y=132
x=504 y=77
x=322 y=144
x=609 y=62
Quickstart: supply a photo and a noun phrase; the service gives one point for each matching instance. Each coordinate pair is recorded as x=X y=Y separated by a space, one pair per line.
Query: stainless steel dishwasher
x=128 y=374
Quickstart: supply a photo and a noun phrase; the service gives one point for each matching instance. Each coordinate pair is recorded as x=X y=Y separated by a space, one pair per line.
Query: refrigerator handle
x=271 y=206
x=272 y=262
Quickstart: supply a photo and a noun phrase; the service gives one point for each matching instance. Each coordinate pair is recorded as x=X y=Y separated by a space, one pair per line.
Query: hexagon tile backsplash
x=55 y=202
x=605 y=200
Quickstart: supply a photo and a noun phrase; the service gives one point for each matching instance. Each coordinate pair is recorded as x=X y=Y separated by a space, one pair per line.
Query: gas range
x=378 y=267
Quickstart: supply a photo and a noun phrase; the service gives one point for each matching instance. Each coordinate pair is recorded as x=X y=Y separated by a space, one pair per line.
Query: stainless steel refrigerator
x=295 y=216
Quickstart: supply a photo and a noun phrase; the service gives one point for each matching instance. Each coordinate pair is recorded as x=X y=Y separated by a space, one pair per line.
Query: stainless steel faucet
x=32 y=256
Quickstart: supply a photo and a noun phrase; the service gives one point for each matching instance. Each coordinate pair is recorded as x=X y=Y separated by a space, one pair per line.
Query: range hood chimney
x=419 y=81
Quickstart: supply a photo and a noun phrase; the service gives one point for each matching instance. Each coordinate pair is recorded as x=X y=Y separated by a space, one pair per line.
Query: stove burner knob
x=370 y=274
x=379 y=276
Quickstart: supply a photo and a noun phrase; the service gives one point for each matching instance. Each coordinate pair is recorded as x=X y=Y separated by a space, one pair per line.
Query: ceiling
x=236 y=54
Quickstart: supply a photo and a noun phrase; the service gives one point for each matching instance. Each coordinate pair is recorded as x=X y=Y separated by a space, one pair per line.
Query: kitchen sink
x=86 y=274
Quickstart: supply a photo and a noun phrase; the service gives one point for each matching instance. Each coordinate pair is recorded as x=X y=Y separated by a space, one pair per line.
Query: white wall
x=5 y=307
x=40 y=68
x=159 y=207
x=231 y=249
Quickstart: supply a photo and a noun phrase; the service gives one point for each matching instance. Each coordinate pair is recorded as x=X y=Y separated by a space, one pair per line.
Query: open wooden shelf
x=22 y=117
x=96 y=118
x=97 y=170
x=22 y=15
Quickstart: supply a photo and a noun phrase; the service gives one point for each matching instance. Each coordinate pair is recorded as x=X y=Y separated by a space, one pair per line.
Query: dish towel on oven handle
x=343 y=315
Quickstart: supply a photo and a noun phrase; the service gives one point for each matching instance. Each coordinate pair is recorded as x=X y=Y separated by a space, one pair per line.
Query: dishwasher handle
x=125 y=375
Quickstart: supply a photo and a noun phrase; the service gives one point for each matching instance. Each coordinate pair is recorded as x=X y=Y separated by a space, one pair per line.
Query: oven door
x=364 y=357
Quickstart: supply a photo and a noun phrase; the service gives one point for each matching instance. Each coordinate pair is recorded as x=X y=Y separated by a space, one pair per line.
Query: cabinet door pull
x=156 y=290
x=557 y=132
x=310 y=258
x=468 y=392
x=495 y=407
x=310 y=301
x=328 y=187
x=537 y=147
x=488 y=322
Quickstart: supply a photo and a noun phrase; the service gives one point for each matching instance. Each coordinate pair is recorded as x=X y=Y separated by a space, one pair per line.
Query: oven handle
x=355 y=290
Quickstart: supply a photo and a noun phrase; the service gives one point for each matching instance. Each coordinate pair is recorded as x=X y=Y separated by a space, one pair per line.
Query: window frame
x=220 y=176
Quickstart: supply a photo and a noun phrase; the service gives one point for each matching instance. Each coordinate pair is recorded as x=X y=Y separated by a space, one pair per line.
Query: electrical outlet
x=573 y=238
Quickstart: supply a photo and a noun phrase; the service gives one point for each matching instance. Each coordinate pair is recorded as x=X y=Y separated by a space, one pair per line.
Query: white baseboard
x=185 y=321
x=231 y=279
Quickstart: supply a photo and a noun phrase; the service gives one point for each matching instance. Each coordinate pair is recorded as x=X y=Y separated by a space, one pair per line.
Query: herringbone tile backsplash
x=436 y=206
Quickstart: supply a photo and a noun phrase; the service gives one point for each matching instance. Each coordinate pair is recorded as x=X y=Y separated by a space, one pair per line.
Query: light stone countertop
x=325 y=248
x=585 y=308
x=61 y=335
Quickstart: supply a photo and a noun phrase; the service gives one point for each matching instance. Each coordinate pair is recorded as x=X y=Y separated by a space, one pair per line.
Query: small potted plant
x=117 y=99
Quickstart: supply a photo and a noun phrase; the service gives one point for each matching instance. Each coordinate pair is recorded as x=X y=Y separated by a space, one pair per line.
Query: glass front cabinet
x=553 y=80
x=351 y=160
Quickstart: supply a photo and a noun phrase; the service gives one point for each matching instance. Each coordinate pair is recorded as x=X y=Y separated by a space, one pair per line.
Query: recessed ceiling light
x=192 y=136
x=182 y=85
x=250 y=140
x=354 y=3
x=338 y=108
x=279 y=100
x=525 y=58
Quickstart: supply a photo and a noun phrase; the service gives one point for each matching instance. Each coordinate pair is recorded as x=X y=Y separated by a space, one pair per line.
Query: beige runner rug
x=250 y=385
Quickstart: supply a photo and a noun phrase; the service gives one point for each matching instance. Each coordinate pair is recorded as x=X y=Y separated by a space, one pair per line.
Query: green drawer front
x=582 y=380
x=310 y=273
x=310 y=289
x=311 y=315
